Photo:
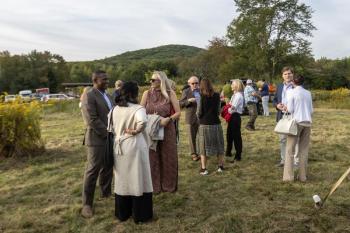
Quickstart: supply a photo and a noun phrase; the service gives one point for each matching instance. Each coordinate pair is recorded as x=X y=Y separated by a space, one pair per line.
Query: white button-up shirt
x=106 y=99
x=286 y=87
x=236 y=102
x=299 y=104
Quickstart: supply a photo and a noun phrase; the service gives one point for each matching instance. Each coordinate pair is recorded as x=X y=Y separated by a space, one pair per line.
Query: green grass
x=43 y=194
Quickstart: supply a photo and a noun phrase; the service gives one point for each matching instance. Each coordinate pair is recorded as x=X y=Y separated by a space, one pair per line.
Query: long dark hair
x=128 y=94
x=206 y=88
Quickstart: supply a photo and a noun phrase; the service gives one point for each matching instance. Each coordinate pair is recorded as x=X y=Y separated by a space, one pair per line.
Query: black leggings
x=141 y=208
x=234 y=135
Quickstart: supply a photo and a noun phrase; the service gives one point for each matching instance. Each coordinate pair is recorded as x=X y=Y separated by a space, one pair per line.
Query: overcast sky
x=91 y=29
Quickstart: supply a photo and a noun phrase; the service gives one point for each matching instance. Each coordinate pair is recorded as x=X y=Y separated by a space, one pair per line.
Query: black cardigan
x=209 y=110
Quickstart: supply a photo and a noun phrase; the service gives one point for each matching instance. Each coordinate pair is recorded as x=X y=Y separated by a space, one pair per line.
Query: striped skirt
x=210 y=140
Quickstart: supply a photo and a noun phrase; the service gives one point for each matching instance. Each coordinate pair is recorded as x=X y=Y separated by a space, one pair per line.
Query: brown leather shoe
x=86 y=211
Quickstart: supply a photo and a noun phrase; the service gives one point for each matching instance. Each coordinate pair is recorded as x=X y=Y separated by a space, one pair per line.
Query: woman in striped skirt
x=210 y=134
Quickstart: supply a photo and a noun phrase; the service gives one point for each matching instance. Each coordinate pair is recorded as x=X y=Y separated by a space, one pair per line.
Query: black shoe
x=249 y=128
x=238 y=158
x=106 y=195
x=228 y=155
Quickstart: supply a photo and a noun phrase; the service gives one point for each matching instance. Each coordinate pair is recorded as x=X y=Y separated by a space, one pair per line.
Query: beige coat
x=132 y=171
x=190 y=108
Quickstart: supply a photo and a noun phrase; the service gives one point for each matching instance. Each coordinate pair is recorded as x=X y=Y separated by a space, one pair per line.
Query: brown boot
x=86 y=211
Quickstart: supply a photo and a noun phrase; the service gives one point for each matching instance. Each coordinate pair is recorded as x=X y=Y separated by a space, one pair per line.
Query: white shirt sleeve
x=311 y=106
x=141 y=119
x=290 y=102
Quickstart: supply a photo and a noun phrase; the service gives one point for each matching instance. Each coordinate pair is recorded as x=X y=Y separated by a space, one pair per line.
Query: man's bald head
x=193 y=79
x=193 y=82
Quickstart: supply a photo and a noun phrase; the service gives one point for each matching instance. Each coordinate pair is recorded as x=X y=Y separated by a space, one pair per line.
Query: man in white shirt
x=299 y=105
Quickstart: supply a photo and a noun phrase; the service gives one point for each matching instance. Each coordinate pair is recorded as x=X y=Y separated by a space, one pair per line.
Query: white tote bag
x=287 y=125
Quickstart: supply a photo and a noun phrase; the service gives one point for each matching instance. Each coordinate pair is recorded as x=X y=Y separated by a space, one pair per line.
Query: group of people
x=146 y=135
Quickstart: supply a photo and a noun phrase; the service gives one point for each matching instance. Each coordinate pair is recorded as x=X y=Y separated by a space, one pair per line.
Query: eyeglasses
x=154 y=80
x=193 y=83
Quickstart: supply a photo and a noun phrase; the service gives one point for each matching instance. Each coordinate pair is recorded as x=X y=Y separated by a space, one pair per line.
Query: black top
x=209 y=110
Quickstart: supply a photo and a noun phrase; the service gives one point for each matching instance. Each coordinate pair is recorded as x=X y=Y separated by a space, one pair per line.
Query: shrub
x=227 y=91
x=20 y=129
x=338 y=98
x=340 y=94
x=334 y=95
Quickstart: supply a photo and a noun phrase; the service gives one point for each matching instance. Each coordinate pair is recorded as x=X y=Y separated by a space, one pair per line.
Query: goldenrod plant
x=20 y=129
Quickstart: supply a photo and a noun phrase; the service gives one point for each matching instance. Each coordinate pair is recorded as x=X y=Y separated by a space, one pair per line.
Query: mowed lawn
x=43 y=194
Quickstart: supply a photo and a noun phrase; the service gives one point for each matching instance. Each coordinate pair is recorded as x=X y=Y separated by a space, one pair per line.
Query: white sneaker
x=204 y=172
x=220 y=169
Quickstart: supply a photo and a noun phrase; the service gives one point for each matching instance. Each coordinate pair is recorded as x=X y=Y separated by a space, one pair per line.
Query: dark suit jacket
x=190 y=108
x=278 y=99
x=95 y=110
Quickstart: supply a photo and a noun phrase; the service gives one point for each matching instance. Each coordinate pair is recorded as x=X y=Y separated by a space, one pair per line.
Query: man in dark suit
x=96 y=105
x=189 y=100
x=280 y=103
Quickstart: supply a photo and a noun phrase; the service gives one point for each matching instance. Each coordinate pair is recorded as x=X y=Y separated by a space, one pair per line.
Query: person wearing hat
x=251 y=99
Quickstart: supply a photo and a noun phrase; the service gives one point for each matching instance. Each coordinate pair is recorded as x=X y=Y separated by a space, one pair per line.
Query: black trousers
x=95 y=169
x=234 y=135
x=141 y=208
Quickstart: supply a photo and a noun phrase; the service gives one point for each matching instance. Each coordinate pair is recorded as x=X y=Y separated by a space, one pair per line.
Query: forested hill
x=164 y=53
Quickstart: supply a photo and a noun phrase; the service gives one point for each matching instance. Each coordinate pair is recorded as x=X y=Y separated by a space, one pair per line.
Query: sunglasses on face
x=154 y=80
x=194 y=83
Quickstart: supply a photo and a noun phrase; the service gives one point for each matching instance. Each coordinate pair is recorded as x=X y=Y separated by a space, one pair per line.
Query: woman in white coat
x=133 y=183
x=299 y=104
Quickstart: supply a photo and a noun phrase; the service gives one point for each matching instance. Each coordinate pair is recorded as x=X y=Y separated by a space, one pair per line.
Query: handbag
x=109 y=156
x=287 y=125
x=225 y=114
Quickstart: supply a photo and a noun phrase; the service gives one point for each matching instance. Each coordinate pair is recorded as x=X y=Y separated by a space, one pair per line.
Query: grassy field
x=43 y=194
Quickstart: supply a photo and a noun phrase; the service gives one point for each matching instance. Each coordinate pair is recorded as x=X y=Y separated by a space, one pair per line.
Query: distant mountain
x=164 y=53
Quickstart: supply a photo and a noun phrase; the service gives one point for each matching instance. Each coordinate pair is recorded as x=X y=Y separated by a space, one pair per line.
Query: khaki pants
x=265 y=104
x=253 y=114
x=283 y=148
x=303 y=137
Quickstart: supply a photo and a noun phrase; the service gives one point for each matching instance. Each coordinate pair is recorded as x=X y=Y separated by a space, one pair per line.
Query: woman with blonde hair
x=234 y=125
x=160 y=99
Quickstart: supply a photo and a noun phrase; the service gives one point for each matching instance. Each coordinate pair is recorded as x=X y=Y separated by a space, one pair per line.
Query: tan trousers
x=303 y=137
x=192 y=131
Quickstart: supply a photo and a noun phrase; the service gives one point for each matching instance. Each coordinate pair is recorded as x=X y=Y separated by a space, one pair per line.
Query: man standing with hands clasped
x=190 y=100
x=280 y=102
x=96 y=105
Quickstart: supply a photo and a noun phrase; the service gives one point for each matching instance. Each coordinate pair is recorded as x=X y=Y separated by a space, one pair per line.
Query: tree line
x=265 y=36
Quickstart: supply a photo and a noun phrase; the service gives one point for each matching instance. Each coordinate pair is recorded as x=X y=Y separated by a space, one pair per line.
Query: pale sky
x=86 y=29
